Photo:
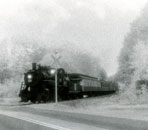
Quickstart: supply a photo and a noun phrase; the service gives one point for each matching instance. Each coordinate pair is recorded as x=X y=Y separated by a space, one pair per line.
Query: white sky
x=98 y=26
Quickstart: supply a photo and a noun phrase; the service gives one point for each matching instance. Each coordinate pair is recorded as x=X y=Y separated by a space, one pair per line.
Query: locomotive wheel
x=39 y=98
x=45 y=96
x=59 y=98
x=24 y=99
x=33 y=100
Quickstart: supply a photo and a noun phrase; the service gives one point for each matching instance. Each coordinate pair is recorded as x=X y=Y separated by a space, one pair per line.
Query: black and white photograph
x=73 y=64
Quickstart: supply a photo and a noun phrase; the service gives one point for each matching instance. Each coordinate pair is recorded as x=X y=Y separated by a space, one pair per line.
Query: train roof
x=78 y=75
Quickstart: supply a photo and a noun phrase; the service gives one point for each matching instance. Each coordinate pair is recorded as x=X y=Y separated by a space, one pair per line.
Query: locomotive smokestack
x=33 y=66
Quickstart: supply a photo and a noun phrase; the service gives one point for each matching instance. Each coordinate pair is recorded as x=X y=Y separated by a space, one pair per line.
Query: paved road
x=70 y=121
x=11 y=123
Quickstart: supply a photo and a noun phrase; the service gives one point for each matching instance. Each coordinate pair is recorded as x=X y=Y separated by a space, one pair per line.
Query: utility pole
x=56 y=59
x=56 y=86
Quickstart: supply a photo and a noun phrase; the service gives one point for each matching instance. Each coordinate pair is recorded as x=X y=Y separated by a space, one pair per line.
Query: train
x=39 y=85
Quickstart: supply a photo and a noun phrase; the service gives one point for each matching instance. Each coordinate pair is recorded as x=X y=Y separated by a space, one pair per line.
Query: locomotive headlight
x=29 y=76
x=52 y=71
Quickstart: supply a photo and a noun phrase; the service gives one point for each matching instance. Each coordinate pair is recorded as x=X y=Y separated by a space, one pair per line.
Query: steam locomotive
x=39 y=85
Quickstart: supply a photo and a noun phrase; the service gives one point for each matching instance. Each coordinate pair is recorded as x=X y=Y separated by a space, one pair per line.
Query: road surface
x=24 y=118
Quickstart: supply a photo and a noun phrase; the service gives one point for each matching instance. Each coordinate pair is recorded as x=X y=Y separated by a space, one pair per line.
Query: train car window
x=75 y=86
x=82 y=83
x=85 y=83
x=91 y=83
x=95 y=83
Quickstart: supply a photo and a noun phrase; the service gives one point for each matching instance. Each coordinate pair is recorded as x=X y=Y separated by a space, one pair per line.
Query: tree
x=138 y=35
